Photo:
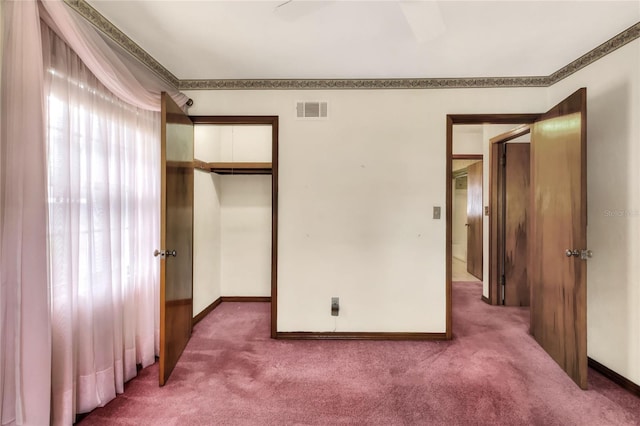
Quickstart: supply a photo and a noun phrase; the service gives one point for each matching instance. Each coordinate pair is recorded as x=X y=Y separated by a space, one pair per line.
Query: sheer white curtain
x=24 y=305
x=104 y=196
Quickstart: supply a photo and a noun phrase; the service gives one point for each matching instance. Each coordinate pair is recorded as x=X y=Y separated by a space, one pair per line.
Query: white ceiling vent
x=312 y=110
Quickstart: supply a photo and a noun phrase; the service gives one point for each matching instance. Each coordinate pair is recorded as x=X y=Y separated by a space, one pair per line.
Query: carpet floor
x=491 y=373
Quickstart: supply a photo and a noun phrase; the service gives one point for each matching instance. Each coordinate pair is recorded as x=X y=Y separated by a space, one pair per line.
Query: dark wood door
x=558 y=223
x=474 y=219
x=516 y=284
x=176 y=236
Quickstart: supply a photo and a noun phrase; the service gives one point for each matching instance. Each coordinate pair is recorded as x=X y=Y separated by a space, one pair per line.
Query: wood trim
x=235 y=119
x=493 y=118
x=240 y=165
x=201 y=165
x=206 y=311
x=180 y=164
x=449 y=229
x=246 y=298
x=486 y=300
x=452 y=119
x=179 y=302
x=511 y=134
x=302 y=335
x=614 y=377
x=275 y=144
x=241 y=168
x=163 y=232
x=467 y=157
x=495 y=215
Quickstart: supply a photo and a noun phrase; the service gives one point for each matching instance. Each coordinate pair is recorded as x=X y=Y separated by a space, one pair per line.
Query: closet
x=233 y=211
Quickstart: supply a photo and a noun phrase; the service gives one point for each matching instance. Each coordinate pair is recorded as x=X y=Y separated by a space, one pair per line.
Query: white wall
x=613 y=156
x=458 y=225
x=239 y=143
x=246 y=235
x=467 y=139
x=207 y=239
x=356 y=198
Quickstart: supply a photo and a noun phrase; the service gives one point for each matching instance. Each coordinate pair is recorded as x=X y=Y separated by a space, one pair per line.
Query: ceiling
x=302 y=39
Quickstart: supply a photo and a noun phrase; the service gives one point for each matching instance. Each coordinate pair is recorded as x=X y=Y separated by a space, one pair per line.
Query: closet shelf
x=234 y=168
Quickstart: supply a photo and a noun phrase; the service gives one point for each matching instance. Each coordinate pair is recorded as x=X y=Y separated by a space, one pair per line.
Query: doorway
x=556 y=239
x=240 y=154
x=510 y=188
x=469 y=121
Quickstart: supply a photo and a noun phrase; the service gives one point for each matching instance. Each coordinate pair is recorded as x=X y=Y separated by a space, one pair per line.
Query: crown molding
x=111 y=31
x=85 y=10
x=354 y=84
x=627 y=36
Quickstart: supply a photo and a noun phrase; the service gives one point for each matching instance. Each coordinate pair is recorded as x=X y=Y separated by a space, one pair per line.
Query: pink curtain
x=26 y=314
x=25 y=347
x=103 y=62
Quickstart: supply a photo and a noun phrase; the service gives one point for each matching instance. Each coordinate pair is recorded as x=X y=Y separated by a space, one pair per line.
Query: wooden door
x=474 y=219
x=176 y=265
x=516 y=284
x=558 y=224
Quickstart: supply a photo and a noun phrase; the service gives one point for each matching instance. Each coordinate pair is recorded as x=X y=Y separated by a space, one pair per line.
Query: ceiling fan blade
x=292 y=10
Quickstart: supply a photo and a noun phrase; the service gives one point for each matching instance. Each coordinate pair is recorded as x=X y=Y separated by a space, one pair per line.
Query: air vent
x=313 y=110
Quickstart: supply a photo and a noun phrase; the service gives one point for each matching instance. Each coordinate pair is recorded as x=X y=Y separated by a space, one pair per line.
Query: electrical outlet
x=335 y=306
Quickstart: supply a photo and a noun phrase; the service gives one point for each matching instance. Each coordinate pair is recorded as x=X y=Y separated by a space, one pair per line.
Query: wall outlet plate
x=335 y=306
x=436 y=212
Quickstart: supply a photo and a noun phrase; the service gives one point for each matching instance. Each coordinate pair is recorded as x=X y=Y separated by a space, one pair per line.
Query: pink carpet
x=493 y=372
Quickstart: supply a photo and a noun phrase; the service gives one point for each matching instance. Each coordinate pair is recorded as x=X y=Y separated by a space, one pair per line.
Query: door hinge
x=502 y=289
x=503 y=159
x=586 y=254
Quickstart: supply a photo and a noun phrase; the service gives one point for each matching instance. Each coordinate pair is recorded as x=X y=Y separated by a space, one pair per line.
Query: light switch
x=335 y=306
x=436 y=212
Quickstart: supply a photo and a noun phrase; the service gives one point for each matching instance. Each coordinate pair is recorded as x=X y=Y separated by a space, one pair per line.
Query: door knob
x=570 y=253
x=163 y=253
x=157 y=253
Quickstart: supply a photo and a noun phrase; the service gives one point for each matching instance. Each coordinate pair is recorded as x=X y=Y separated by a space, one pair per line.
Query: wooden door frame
x=496 y=208
x=271 y=120
x=452 y=119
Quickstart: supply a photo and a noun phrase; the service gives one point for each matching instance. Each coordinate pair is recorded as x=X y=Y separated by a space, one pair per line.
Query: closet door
x=176 y=255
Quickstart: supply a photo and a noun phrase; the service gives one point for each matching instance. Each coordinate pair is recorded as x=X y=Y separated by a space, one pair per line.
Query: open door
x=514 y=220
x=474 y=219
x=557 y=237
x=176 y=238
